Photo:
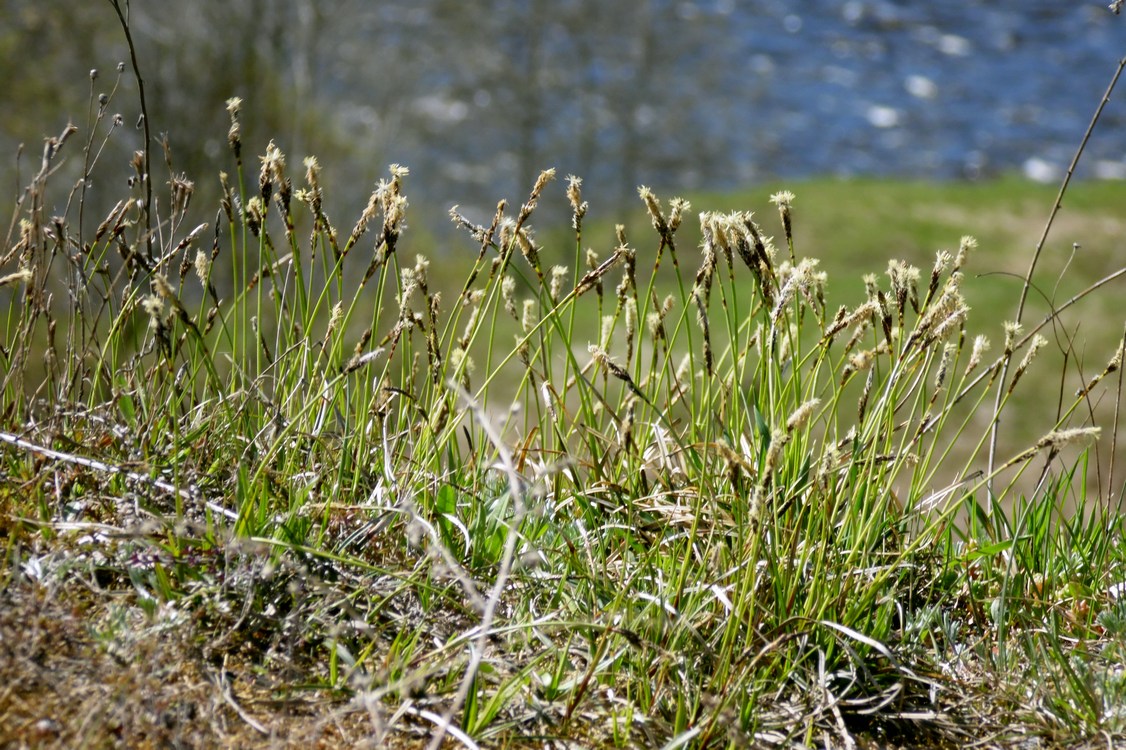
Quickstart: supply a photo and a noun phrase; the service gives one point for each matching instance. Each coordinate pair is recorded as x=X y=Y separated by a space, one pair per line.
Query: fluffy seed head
x=153 y=306
x=202 y=265
x=1060 y=438
x=677 y=208
x=528 y=317
x=20 y=276
x=1012 y=330
x=967 y=244
x=558 y=277
x=1038 y=343
x=508 y=294
x=981 y=345
x=783 y=199
x=801 y=415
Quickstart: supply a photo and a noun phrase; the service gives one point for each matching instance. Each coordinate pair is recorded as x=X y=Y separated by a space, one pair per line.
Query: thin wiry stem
x=123 y=17
x=1032 y=267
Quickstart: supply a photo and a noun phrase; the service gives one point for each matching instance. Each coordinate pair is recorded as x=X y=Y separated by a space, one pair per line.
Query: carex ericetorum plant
x=673 y=480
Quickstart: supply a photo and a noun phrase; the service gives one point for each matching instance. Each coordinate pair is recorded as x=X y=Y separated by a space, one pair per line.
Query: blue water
x=477 y=97
x=737 y=92
x=950 y=88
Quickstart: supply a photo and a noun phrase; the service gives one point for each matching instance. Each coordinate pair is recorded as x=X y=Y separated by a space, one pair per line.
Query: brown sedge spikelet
x=593 y=279
x=578 y=205
x=625 y=425
x=526 y=210
x=784 y=200
x=1054 y=441
x=528 y=317
x=508 y=295
x=941 y=262
x=965 y=245
x=631 y=329
x=234 y=134
x=599 y=355
x=653 y=206
x=980 y=346
x=801 y=415
x=558 y=277
x=1111 y=366
x=1038 y=342
x=862 y=403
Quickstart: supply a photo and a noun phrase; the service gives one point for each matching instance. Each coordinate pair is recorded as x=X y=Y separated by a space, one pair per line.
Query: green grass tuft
x=678 y=492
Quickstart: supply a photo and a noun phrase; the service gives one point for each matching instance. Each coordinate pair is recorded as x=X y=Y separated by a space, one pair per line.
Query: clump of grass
x=652 y=495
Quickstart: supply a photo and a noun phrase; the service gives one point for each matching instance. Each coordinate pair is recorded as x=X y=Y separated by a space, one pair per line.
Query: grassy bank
x=280 y=478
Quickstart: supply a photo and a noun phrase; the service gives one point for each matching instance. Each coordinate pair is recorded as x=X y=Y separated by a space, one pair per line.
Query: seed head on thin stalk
x=801 y=415
x=433 y=350
x=1062 y=438
x=254 y=214
x=761 y=260
x=677 y=208
x=558 y=277
x=966 y=245
x=334 y=320
x=903 y=279
x=631 y=328
x=462 y=365
x=272 y=171
x=784 y=200
x=508 y=294
x=871 y=288
x=547 y=391
x=629 y=271
x=470 y=327
x=526 y=210
x=981 y=345
x=702 y=288
x=951 y=323
x=1111 y=366
x=592 y=268
x=625 y=426
x=409 y=282
x=838 y=324
x=778 y=441
x=182 y=190
x=529 y=249
x=653 y=206
x=1012 y=330
x=862 y=405
x=21 y=276
x=858 y=362
x=593 y=278
x=941 y=263
x=153 y=305
x=528 y=317
x=1038 y=343
x=655 y=321
x=234 y=134
x=602 y=359
x=1054 y=441
x=202 y=266
x=578 y=205
x=476 y=231
x=948 y=351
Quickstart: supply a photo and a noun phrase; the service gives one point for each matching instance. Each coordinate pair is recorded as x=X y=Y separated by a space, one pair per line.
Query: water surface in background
x=732 y=93
x=477 y=97
x=952 y=88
